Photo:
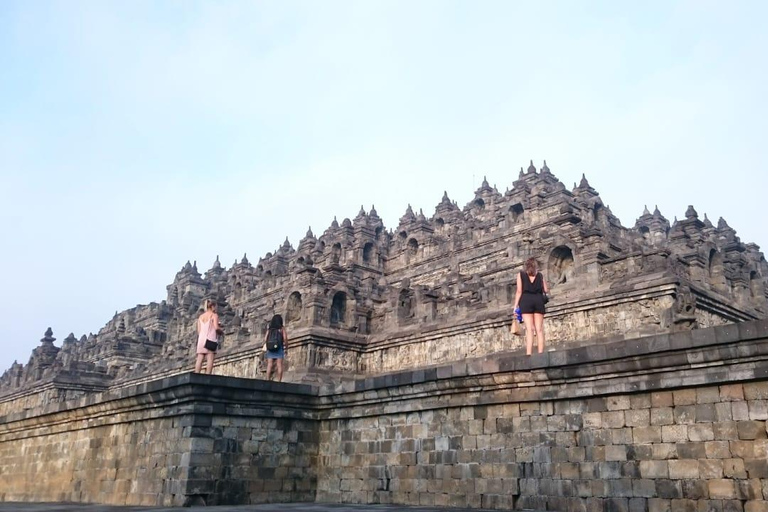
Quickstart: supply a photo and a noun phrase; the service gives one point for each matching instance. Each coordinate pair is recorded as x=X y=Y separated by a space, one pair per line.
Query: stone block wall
x=252 y=460
x=701 y=448
x=124 y=462
x=181 y=440
x=674 y=422
x=665 y=423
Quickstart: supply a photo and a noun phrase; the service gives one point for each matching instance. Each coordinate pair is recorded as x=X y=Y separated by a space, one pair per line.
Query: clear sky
x=137 y=135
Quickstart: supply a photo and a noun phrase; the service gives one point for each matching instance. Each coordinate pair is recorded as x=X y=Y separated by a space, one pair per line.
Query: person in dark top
x=531 y=288
x=276 y=333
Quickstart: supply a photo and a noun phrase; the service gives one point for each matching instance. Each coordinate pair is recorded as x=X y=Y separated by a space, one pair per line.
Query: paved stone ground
x=293 y=507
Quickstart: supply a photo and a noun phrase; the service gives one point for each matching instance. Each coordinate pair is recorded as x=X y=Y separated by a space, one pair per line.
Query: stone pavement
x=292 y=507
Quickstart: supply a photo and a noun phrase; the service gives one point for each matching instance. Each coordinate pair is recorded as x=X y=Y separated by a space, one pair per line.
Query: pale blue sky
x=137 y=135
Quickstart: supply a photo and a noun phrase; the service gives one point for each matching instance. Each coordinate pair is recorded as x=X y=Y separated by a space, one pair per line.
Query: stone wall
x=701 y=448
x=665 y=423
x=673 y=422
x=128 y=462
x=187 y=439
x=434 y=344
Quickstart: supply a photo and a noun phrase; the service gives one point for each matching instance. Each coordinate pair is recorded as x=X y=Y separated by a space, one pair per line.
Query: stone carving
x=684 y=309
x=405 y=305
x=560 y=265
x=294 y=308
x=338 y=309
x=363 y=298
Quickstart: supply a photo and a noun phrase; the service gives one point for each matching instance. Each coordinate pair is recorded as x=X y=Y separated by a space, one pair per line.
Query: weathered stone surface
x=527 y=443
x=194 y=445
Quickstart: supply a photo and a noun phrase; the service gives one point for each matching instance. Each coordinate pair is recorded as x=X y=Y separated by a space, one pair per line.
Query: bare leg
x=209 y=362
x=538 y=319
x=528 y=323
x=279 y=370
x=199 y=363
x=269 y=368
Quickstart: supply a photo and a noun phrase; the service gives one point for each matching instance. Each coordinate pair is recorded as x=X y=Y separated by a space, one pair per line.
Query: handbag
x=546 y=297
x=516 y=330
x=211 y=345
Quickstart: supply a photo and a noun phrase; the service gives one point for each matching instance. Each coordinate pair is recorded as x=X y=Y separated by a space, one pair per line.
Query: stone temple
x=405 y=383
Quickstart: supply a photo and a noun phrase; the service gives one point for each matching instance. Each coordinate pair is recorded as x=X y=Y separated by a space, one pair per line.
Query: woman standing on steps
x=208 y=330
x=531 y=297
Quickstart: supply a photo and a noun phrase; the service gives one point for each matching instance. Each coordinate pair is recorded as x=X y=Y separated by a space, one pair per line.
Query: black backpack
x=275 y=340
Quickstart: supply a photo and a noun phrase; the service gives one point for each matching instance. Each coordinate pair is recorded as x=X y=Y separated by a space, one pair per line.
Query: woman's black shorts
x=532 y=303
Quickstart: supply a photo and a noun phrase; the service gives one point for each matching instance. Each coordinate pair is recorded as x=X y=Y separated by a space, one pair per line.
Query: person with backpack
x=275 y=344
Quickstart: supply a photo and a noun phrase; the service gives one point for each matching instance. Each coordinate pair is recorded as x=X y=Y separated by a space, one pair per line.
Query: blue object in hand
x=518 y=314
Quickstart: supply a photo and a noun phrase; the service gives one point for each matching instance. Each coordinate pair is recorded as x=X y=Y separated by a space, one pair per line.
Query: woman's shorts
x=532 y=303
x=280 y=354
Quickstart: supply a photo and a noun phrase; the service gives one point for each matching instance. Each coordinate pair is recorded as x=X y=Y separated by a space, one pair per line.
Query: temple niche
x=561 y=265
x=364 y=298
x=405 y=305
x=293 y=310
x=338 y=309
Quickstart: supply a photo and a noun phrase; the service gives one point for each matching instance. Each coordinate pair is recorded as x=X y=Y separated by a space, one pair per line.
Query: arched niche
x=338 y=309
x=405 y=304
x=597 y=209
x=294 y=308
x=368 y=252
x=516 y=212
x=479 y=203
x=715 y=263
x=716 y=269
x=560 y=265
x=413 y=246
x=439 y=222
x=336 y=252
